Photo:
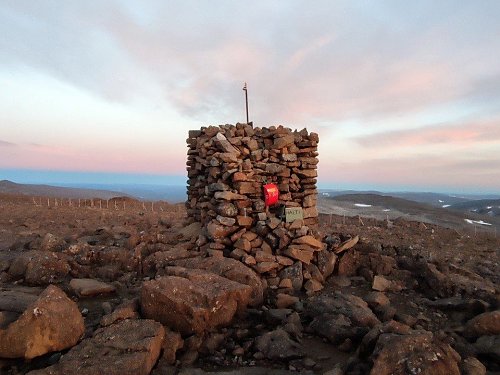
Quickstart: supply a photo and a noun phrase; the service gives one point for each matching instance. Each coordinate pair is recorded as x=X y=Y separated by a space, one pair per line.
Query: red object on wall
x=271 y=194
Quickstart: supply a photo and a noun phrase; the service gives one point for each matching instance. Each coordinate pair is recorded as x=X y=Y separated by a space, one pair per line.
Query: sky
x=404 y=95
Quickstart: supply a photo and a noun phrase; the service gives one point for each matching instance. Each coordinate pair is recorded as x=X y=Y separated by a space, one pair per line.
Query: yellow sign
x=293 y=213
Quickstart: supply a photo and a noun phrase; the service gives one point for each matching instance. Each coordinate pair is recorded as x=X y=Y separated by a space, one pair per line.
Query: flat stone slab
x=130 y=347
x=90 y=287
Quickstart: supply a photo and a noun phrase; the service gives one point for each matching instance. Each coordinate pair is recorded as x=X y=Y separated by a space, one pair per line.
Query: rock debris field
x=89 y=290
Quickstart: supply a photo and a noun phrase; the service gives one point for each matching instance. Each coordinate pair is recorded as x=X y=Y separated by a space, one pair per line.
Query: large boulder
x=232 y=270
x=40 y=267
x=193 y=300
x=130 y=347
x=486 y=324
x=348 y=305
x=340 y=317
x=416 y=353
x=160 y=259
x=51 y=323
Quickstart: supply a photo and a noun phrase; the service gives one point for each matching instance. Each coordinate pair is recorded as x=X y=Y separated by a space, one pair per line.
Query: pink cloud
x=421 y=172
x=465 y=134
x=90 y=158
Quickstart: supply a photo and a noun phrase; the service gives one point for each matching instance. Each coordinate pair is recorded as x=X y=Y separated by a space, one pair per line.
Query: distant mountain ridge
x=9 y=187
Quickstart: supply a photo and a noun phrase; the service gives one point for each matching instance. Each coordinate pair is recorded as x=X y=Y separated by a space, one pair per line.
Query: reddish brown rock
x=346 y=245
x=285 y=300
x=263 y=267
x=418 y=353
x=130 y=347
x=326 y=263
x=40 y=267
x=127 y=310
x=160 y=259
x=90 y=287
x=193 y=301
x=171 y=344
x=297 y=253
x=310 y=241
x=231 y=269
x=485 y=324
x=52 y=323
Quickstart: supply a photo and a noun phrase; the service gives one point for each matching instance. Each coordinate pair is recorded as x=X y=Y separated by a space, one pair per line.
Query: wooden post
x=100 y=205
x=152 y=209
x=48 y=202
x=107 y=203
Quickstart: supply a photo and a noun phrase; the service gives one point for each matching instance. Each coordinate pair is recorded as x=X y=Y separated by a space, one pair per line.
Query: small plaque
x=293 y=213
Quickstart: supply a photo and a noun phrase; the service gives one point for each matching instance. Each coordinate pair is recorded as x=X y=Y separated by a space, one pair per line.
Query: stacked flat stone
x=228 y=165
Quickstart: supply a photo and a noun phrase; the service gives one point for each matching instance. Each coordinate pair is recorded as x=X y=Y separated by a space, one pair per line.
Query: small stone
x=381 y=284
x=227 y=221
x=90 y=287
x=285 y=283
x=313 y=286
x=285 y=300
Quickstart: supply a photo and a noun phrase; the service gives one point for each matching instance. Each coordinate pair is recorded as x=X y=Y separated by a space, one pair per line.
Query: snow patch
x=440 y=201
x=446 y=205
x=362 y=205
x=480 y=222
x=489 y=207
x=387 y=210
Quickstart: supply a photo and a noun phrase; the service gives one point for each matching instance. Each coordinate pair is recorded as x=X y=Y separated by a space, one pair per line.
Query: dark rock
x=294 y=273
x=277 y=344
x=472 y=366
x=130 y=347
x=489 y=348
x=348 y=305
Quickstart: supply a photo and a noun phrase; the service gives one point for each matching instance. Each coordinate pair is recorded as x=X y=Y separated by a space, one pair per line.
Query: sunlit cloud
x=466 y=134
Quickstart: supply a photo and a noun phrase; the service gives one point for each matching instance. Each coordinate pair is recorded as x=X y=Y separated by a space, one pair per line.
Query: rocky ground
x=120 y=290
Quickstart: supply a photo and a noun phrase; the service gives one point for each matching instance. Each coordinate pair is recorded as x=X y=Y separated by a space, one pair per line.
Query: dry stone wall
x=228 y=165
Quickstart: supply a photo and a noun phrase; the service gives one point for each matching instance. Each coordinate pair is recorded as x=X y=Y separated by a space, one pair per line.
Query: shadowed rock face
x=130 y=347
x=193 y=301
x=52 y=323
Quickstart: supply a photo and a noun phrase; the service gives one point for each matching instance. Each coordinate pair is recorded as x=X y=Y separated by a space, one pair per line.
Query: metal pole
x=246 y=99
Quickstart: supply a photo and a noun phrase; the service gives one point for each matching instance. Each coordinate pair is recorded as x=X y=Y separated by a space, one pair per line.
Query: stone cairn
x=228 y=165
